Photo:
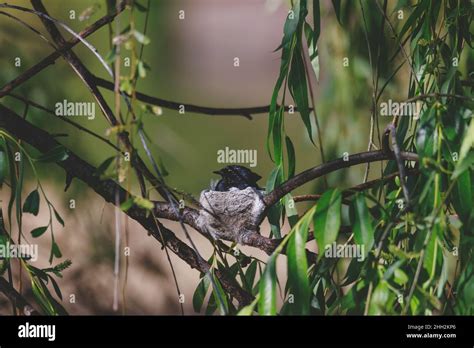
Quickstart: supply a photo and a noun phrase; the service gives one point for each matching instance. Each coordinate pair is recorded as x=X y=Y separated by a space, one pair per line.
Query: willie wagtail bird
x=237 y=176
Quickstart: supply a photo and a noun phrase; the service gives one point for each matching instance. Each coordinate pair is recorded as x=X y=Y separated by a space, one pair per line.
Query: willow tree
x=408 y=233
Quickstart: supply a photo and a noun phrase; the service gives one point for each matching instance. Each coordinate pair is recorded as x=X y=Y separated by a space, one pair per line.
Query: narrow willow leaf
x=250 y=274
x=18 y=191
x=291 y=210
x=431 y=253
x=363 y=227
x=42 y=300
x=127 y=204
x=200 y=293
x=13 y=179
x=298 y=267
x=277 y=133
x=58 y=217
x=104 y=165
x=275 y=211
x=463 y=197
x=416 y=15
x=143 y=203
x=32 y=202
x=444 y=276
x=267 y=291
x=56 y=288
x=38 y=231
x=316 y=22
x=246 y=311
x=290 y=149
x=298 y=87
x=56 y=251
x=337 y=9
x=291 y=24
x=379 y=299
x=468 y=141
x=463 y=165
x=3 y=167
x=141 y=38
x=249 y=309
x=327 y=219
x=220 y=296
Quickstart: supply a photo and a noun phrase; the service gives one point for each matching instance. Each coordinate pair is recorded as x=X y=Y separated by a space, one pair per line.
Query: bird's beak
x=217 y=172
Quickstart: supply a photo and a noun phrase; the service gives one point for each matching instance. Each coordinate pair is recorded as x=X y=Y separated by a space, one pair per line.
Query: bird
x=236 y=176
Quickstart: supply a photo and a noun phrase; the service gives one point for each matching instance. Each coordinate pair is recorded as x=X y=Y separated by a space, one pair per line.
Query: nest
x=231 y=215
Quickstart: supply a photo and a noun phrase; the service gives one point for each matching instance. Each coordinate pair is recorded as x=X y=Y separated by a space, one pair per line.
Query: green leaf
x=42 y=298
x=297 y=84
x=220 y=296
x=466 y=163
x=468 y=141
x=13 y=179
x=3 y=167
x=291 y=210
x=291 y=157
x=249 y=309
x=379 y=299
x=337 y=9
x=250 y=274
x=298 y=267
x=141 y=69
x=363 y=227
x=141 y=38
x=200 y=293
x=463 y=196
x=327 y=219
x=267 y=291
x=38 y=231
x=31 y=204
x=104 y=165
x=18 y=191
x=291 y=24
x=143 y=203
x=58 y=217
x=56 y=288
x=127 y=204
x=316 y=22
x=275 y=211
x=56 y=250
x=57 y=154
x=417 y=14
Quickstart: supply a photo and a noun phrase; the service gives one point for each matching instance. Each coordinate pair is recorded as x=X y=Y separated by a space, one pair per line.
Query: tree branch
x=65 y=47
x=15 y=297
x=77 y=167
x=328 y=167
x=246 y=112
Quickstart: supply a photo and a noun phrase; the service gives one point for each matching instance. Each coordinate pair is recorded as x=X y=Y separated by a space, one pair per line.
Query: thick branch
x=14 y=296
x=326 y=168
x=77 y=167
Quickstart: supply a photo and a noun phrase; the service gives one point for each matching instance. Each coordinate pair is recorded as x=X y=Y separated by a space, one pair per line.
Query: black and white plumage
x=236 y=176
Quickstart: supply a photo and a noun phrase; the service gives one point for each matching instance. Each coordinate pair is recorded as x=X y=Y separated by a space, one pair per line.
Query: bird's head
x=237 y=171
